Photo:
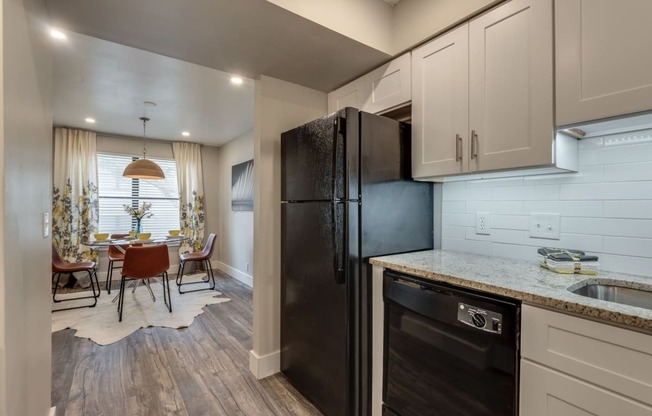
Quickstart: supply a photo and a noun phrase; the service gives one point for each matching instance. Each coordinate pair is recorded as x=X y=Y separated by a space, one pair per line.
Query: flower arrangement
x=140 y=212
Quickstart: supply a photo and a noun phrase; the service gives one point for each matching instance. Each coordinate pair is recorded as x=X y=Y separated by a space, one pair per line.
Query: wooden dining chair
x=114 y=254
x=204 y=257
x=59 y=267
x=144 y=263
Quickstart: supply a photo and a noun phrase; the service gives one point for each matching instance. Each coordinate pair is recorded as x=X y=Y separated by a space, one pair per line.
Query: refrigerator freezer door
x=312 y=160
x=314 y=313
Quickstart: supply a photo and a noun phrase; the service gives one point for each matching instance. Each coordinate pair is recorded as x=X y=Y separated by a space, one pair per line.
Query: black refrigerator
x=347 y=195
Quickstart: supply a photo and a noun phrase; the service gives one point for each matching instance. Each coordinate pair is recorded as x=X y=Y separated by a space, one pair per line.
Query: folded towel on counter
x=567 y=261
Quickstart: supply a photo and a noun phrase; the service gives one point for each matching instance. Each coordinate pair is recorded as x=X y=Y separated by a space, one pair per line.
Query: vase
x=138 y=229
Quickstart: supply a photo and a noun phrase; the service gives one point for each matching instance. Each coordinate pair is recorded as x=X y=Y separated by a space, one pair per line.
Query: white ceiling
x=99 y=73
x=109 y=82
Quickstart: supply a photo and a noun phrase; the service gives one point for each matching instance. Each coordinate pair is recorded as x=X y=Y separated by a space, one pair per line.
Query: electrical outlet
x=482 y=225
x=247 y=267
x=544 y=225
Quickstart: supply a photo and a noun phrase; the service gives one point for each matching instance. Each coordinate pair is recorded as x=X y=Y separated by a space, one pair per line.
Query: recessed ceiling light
x=57 y=34
x=90 y=120
x=236 y=80
x=185 y=133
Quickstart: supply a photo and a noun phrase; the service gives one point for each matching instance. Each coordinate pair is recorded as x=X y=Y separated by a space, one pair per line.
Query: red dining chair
x=114 y=254
x=59 y=267
x=202 y=256
x=144 y=263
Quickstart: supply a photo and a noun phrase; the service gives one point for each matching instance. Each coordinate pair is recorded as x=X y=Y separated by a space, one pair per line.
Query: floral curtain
x=75 y=205
x=187 y=157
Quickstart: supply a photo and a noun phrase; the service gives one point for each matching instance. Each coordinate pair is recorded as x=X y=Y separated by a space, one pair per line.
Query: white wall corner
x=266 y=365
x=243 y=277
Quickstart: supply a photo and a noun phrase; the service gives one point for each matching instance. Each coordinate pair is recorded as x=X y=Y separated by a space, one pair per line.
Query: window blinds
x=115 y=191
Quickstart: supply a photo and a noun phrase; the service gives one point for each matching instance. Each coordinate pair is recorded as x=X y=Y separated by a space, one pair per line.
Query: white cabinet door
x=440 y=94
x=511 y=86
x=388 y=87
x=604 y=64
x=349 y=95
x=614 y=358
x=545 y=392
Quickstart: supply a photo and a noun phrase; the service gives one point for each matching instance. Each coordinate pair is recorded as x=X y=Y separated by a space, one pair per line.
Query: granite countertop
x=523 y=280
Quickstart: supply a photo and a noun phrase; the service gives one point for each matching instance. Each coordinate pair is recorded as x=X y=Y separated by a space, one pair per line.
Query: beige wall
x=416 y=20
x=280 y=106
x=26 y=150
x=210 y=156
x=236 y=238
x=367 y=21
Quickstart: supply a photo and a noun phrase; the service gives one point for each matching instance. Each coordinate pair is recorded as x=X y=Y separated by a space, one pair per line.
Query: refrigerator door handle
x=338 y=246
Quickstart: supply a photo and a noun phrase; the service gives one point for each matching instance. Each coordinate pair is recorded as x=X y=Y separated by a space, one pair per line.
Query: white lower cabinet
x=546 y=392
x=572 y=366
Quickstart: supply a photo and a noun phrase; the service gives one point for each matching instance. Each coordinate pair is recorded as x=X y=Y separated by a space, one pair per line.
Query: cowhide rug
x=100 y=324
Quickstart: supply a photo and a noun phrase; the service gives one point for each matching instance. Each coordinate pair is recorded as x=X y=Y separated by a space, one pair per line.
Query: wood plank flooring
x=200 y=370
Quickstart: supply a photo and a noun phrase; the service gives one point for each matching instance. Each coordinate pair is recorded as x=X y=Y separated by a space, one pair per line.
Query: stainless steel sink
x=610 y=292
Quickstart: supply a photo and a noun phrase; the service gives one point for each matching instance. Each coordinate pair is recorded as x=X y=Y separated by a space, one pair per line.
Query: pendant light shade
x=143 y=168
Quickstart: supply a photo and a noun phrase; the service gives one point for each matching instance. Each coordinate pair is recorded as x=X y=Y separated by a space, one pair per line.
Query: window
x=115 y=191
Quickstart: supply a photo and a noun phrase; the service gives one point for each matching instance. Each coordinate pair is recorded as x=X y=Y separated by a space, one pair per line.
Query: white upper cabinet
x=349 y=95
x=388 y=87
x=385 y=88
x=440 y=105
x=483 y=95
x=603 y=59
x=511 y=86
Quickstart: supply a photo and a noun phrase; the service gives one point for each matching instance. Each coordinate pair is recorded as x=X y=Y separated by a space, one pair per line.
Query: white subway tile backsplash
x=641 y=266
x=510 y=222
x=453 y=231
x=495 y=207
x=565 y=208
x=514 y=251
x=628 y=209
x=526 y=193
x=454 y=207
x=465 y=220
x=606 y=208
x=607 y=190
x=579 y=225
x=451 y=191
x=467 y=246
x=628 y=172
x=640 y=247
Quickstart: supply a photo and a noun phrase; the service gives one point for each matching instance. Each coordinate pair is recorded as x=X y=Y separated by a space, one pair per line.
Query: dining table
x=121 y=243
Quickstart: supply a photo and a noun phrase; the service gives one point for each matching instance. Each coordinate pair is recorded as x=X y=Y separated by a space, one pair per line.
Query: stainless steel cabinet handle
x=474 y=144
x=458 y=148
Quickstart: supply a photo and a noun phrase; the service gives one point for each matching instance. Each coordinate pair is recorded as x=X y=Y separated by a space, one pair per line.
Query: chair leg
x=208 y=274
x=94 y=296
x=167 y=299
x=121 y=300
x=109 y=276
x=182 y=265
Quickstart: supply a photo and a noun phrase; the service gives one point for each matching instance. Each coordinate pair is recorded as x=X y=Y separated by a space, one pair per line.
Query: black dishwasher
x=448 y=351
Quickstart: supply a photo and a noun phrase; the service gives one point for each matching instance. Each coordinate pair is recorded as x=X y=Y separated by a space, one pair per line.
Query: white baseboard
x=266 y=365
x=53 y=411
x=236 y=274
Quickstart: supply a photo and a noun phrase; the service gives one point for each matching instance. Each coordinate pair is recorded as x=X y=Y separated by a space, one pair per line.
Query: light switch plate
x=482 y=224
x=544 y=225
x=46 y=224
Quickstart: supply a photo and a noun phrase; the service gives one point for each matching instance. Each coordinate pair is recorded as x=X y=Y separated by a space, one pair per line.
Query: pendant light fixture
x=143 y=168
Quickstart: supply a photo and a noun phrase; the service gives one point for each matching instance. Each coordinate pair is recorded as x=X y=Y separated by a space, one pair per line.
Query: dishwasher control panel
x=480 y=318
